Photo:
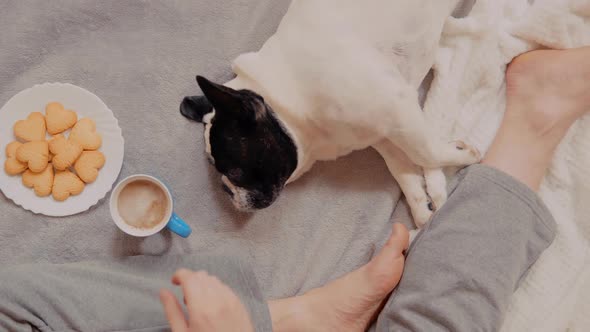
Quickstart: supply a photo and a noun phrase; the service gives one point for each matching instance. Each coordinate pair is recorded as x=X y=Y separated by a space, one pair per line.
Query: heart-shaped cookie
x=88 y=164
x=31 y=129
x=42 y=182
x=66 y=184
x=84 y=132
x=34 y=154
x=65 y=152
x=12 y=166
x=58 y=119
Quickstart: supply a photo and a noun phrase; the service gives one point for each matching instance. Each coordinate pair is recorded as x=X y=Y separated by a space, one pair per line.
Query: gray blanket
x=141 y=58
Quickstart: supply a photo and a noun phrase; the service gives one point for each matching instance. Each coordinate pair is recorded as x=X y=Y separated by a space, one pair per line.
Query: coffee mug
x=169 y=219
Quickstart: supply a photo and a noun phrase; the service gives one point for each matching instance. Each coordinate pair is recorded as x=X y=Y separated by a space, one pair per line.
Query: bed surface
x=141 y=58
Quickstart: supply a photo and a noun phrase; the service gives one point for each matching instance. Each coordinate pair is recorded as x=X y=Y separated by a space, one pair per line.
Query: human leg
x=119 y=295
x=122 y=295
x=464 y=267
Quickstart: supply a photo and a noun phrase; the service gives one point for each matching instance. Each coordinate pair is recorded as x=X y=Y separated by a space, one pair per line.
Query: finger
x=181 y=274
x=191 y=286
x=173 y=311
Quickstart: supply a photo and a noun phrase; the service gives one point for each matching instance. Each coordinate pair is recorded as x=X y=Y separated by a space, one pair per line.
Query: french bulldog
x=337 y=76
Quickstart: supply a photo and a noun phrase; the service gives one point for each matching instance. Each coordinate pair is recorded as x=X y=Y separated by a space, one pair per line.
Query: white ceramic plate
x=86 y=105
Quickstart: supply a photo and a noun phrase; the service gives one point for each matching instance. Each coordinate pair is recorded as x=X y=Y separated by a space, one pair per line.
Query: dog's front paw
x=473 y=155
x=436 y=187
x=422 y=214
x=438 y=200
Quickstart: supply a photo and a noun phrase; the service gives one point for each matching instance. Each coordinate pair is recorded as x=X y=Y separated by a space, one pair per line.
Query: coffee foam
x=142 y=204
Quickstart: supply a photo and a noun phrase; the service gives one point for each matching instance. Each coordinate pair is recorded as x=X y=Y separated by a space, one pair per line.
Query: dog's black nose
x=227 y=190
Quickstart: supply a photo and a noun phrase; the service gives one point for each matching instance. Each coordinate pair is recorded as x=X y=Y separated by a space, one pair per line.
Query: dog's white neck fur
x=296 y=127
x=314 y=82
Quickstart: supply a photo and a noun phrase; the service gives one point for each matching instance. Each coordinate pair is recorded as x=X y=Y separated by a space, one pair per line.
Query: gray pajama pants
x=459 y=276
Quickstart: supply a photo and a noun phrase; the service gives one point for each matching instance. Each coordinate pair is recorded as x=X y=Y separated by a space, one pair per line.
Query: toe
x=385 y=270
x=399 y=239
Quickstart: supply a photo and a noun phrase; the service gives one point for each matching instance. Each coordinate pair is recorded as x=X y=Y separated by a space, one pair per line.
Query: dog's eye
x=235 y=174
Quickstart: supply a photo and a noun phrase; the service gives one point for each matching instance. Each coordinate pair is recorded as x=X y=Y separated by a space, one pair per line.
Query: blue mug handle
x=178 y=226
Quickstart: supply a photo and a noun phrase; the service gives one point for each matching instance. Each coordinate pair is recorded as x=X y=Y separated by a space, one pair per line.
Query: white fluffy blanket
x=467 y=96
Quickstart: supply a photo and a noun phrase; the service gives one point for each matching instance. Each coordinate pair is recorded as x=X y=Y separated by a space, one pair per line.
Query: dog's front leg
x=436 y=186
x=410 y=178
x=412 y=133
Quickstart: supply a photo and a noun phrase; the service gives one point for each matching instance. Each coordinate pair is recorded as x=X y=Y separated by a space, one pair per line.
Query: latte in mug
x=142 y=204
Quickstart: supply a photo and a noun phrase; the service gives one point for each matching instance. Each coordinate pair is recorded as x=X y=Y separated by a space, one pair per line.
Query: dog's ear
x=195 y=107
x=229 y=104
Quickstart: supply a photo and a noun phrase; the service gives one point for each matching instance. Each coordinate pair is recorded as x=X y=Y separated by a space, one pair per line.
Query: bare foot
x=349 y=303
x=549 y=88
x=346 y=304
x=211 y=305
x=546 y=92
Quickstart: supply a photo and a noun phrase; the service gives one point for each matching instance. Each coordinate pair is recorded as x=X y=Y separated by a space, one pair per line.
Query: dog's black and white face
x=245 y=141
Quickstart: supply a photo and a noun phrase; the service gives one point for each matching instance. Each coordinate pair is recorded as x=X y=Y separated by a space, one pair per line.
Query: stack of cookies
x=59 y=166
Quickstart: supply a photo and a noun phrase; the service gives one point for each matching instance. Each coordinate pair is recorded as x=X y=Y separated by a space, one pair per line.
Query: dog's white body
x=343 y=75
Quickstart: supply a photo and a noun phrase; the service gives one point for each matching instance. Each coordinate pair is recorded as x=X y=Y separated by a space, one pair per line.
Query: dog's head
x=245 y=141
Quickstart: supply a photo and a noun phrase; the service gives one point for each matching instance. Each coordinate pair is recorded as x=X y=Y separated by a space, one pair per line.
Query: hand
x=211 y=305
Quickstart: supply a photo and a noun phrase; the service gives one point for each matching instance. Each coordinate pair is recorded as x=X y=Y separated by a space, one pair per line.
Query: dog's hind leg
x=410 y=178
